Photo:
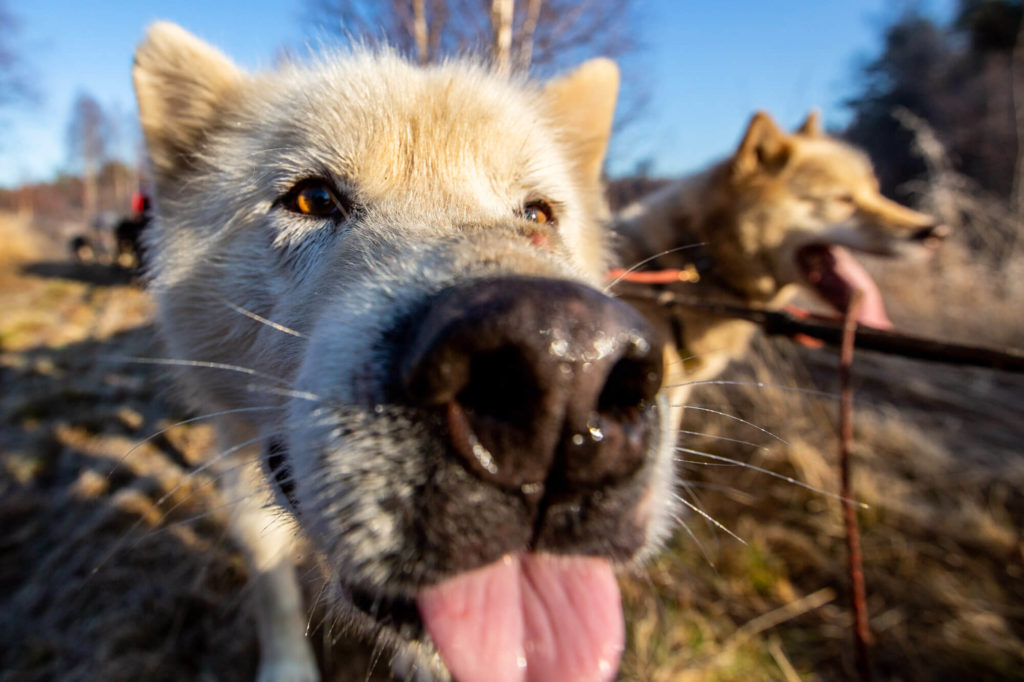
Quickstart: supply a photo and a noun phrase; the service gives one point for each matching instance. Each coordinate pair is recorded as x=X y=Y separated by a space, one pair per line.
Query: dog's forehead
x=825 y=163
x=396 y=129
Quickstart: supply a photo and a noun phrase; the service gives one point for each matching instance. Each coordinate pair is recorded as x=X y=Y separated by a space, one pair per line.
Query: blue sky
x=706 y=66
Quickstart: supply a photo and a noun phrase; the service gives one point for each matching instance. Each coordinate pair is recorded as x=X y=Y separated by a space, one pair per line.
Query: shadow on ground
x=88 y=273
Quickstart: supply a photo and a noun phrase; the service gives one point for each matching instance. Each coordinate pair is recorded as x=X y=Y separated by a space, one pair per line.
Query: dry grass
x=937 y=457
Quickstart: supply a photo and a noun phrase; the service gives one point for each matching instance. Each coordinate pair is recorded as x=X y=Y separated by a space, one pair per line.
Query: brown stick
x=779 y=323
x=858 y=598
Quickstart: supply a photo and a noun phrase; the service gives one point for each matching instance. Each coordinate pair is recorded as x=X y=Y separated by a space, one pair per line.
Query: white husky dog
x=390 y=276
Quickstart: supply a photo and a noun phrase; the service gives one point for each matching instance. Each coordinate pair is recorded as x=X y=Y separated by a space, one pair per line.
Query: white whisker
x=205 y=365
x=703 y=464
x=208 y=464
x=773 y=474
x=183 y=422
x=700 y=545
x=738 y=441
x=734 y=418
x=648 y=260
x=262 y=320
x=755 y=384
x=707 y=516
x=285 y=392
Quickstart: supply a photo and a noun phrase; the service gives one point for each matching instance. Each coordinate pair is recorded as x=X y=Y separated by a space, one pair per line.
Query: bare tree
x=14 y=82
x=88 y=141
x=535 y=35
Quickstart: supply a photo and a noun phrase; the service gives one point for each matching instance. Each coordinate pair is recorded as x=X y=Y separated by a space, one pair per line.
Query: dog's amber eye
x=316 y=198
x=538 y=211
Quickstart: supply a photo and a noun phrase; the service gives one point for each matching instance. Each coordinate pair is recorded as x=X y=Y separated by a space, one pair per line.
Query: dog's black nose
x=931 y=234
x=545 y=385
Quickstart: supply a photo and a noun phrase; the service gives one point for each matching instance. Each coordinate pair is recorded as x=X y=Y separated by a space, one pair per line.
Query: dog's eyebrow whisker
x=773 y=474
x=647 y=260
x=191 y=420
x=707 y=516
x=204 y=364
x=715 y=436
x=735 y=418
x=755 y=384
x=262 y=320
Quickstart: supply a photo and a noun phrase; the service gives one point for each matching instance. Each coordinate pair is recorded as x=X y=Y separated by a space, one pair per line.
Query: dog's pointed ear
x=764 y=148
x=582 y=103
x=183 y=86
x=811 y=126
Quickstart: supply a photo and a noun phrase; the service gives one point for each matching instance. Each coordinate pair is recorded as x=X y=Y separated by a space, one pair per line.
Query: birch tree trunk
x=420 y=33
x=501 y=24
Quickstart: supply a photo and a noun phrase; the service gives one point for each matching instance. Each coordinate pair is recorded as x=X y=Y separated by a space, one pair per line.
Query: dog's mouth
x=524 y=616
x=835 y=275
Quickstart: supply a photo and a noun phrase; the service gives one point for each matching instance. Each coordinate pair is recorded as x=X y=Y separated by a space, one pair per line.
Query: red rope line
x=653 y=276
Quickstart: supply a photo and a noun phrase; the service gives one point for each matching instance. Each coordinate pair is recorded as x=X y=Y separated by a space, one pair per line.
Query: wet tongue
x=838 y=281
x=528 y=618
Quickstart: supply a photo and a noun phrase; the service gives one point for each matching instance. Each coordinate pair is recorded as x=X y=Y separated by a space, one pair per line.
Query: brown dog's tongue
x=872 y=310
x=835 y=274
x=528 y=618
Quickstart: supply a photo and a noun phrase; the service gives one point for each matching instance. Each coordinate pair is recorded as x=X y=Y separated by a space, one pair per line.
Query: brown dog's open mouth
x=528 y=617
x=835 y=274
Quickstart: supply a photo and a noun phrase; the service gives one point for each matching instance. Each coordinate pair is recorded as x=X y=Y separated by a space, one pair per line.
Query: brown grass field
x=114 y=564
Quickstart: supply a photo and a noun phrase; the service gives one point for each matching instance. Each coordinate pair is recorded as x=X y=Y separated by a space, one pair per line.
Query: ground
x=114 y=562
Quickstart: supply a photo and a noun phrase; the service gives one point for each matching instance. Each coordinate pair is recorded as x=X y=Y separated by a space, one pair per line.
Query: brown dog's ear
x=811 y=126
x=764 y=147
x=182 y=86
x=582 y=104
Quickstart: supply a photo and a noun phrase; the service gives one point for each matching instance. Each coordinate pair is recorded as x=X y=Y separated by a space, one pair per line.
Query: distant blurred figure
x=82 y=251
x=128 y=231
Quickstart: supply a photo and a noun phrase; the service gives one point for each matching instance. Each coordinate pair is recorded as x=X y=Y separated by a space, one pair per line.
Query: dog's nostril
x=931 y=233
x=631 y=384
x=500 y=384
x=613 y=440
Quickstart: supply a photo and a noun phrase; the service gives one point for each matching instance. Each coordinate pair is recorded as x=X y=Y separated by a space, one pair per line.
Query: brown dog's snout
x=545 y=385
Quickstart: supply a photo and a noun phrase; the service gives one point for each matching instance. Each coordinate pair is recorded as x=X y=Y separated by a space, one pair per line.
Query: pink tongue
x=528 y=618
x=854 y=276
